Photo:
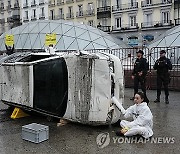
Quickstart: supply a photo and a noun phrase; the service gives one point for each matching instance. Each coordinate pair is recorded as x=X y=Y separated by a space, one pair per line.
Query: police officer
x=139 y=73
x=163 y=65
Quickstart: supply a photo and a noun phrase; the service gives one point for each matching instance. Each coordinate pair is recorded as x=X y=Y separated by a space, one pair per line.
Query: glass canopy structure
x=170 y=38
x=69 y=36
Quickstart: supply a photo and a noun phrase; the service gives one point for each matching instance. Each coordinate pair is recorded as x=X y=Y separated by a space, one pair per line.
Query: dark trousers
x=142 y=81
x=162 y=80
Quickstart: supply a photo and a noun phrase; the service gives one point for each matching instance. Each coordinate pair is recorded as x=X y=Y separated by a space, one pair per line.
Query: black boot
x=157 y=100
x=166 y=100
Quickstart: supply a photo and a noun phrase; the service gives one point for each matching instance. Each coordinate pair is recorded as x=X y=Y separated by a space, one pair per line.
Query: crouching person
x=142 y=118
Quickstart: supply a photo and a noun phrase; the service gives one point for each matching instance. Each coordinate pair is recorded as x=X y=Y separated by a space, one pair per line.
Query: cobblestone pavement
x=76 y=138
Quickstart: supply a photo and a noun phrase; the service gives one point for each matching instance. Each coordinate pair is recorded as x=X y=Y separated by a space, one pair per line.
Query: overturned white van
x=77 y=86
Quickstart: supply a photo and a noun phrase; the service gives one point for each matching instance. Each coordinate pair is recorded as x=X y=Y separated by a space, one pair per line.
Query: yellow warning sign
x=9 y=40
x=50 y=39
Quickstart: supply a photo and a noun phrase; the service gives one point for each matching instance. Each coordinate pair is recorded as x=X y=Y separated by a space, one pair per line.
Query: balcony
x=104 y=12
x=70 y=16
x=25 y=19
x=61 y=16
x=41 y=2
x=51 y=17
x=41 y=16
x=125 y=27
x=156 y=25
x=157 y=3
x=33 y=18
x=60 y=2
x=69 y=1
x=15 y=17
x=79 y=14
x=79 y=0
x=33 y=3
x=25 y=5
x=90 y=12
x=125 y=7
x=177 y=21
x=52 y=4
x=104 y=28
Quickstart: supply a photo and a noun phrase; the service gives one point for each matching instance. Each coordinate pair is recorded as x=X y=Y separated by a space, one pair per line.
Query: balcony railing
x=127 y=6
x=104 y=28
x=60 y=2
x=155 y=3
x=79 y=14
x=41 y=16
x=52 y=17
x=79 y=0
x=61 y=16
x=33 y=3
x=70 y=15
x=177 y=21
x=90 y=12
x=69 y=1
x=156 y=24
x=126 y=27
x=25 y=19
x=104 y=9
x=33 y=18
x=52 y=3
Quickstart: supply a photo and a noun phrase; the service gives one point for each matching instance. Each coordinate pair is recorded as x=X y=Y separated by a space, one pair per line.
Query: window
x=165 y=17
x=26 y=14
x=91 y=23
x=90 y=8
x=118 y=2
x=118 y=22
x=104 y=3
x=148 y=19
x=52 y=14
x=34 y=13
x=132 y=21
x=70 y=11
x=61 y=13
x=80 y=8
x=148 y=1
x=104 y=21
x=42 y=12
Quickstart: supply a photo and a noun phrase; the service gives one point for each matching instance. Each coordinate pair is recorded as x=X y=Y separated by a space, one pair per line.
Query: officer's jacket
x=162 y=65
x=140 y=65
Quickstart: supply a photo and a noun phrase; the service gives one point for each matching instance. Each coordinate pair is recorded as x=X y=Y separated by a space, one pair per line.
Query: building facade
x=32 y=10
x=138 y=22
x=9 y=14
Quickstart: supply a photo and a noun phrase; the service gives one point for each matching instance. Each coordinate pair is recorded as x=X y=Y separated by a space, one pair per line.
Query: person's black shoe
x=167 y=101
x=157 y=101
x=118 y=133
x=132 y=98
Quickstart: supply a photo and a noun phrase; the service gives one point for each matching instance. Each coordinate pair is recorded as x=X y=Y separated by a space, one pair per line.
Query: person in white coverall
x=143 y=119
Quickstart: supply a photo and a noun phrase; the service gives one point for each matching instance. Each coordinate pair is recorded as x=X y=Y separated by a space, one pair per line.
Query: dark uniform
x=141 y=65
x=163 y=65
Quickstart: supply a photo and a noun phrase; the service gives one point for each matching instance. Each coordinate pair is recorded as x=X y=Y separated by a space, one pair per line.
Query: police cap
x=140 y=51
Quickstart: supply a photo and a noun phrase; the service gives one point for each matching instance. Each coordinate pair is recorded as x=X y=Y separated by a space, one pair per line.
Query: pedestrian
x=51 y=49
x=142 y=123
x=163 y=65
x=9 y=49
x=139 y=73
